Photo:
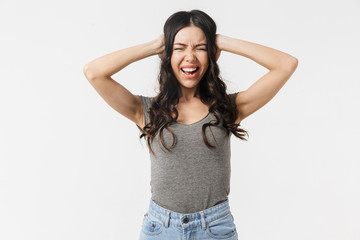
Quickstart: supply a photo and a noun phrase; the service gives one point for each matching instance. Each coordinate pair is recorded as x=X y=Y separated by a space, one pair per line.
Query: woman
x=190 y=161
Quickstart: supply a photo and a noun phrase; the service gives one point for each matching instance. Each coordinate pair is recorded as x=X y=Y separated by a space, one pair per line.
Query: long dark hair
x=211 y=89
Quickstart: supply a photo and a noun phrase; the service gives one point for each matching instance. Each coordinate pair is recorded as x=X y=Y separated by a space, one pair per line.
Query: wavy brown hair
x=211 y=88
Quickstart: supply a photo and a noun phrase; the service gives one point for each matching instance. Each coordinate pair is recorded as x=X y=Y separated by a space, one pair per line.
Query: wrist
x=220 y=42
x=148 y=48
x=223 y=42
x=158 y=45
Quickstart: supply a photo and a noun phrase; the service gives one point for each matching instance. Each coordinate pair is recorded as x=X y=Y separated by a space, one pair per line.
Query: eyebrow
x=197 y=45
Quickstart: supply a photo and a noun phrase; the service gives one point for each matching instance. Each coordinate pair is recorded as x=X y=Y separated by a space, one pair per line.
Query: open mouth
x=189 y=71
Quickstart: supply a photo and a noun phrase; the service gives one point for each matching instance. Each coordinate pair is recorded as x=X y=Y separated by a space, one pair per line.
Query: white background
x=73 y=168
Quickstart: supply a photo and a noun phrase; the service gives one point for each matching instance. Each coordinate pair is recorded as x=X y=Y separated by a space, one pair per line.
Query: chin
x=189 y=83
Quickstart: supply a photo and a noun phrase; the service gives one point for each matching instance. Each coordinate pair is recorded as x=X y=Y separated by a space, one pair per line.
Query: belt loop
x=167 y=219
x=203 y=223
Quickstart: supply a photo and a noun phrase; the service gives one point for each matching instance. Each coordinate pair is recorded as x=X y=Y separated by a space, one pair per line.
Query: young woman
x=188 y=124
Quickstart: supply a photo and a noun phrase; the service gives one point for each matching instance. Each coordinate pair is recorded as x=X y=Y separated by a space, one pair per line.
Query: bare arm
x=108 y=65
x=99 y=72
x=280 y=64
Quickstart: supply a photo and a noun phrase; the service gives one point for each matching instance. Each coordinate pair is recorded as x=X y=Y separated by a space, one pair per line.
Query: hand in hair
x=160 y=46
x=218 y=45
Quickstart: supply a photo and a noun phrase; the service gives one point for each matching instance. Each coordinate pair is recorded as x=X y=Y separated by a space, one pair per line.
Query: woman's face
x=189 y=60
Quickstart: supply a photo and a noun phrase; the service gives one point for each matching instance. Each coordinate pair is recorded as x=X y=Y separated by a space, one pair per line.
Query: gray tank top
x=192 y=177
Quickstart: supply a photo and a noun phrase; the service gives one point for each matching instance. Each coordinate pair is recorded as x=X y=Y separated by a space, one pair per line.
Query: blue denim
x=216 y=222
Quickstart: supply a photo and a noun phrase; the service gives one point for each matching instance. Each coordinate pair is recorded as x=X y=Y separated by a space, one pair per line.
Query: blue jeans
x=216 y=222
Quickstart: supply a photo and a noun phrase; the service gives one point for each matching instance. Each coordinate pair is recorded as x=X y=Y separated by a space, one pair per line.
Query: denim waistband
x=185 y=220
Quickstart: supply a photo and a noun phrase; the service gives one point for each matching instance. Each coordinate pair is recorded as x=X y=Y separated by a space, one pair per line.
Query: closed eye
x=199 y=49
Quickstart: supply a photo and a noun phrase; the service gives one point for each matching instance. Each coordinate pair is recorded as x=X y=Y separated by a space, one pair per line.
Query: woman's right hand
x=160 y=46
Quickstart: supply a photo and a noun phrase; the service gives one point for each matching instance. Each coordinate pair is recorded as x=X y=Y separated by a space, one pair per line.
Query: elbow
x=287 y=64
x=295 y=62
x=89 y=76
x=291 y=65
x=91 y=73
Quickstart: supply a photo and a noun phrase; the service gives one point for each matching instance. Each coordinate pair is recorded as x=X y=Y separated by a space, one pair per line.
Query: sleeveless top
x=192 y=177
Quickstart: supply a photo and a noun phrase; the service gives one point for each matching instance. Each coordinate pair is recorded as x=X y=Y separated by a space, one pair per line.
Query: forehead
x=190 y=35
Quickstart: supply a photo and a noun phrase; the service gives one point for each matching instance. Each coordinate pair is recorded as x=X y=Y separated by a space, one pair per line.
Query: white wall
x=73 y=168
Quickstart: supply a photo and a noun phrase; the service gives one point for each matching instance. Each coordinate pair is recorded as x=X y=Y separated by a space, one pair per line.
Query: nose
x=190 y=56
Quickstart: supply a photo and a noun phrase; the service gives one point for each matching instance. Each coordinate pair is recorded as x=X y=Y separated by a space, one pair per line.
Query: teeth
x=188 y=69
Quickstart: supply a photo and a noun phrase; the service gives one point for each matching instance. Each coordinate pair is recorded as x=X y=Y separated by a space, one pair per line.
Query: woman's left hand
x=218 y=44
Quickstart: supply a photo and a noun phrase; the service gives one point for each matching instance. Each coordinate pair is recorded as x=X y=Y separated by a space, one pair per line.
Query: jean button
x=185 y=220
